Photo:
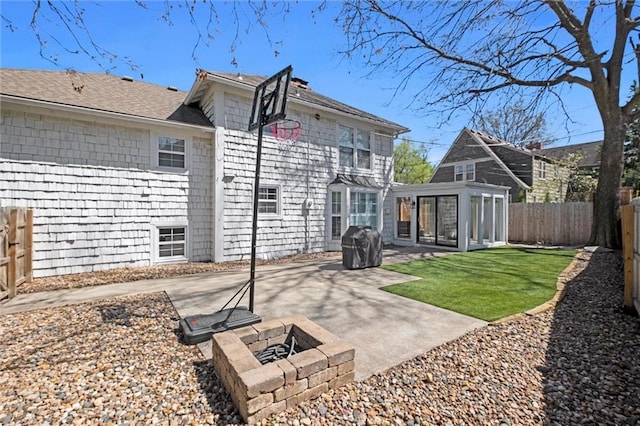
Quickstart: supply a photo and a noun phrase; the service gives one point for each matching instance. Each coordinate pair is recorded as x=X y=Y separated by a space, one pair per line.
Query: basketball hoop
x=286 y=131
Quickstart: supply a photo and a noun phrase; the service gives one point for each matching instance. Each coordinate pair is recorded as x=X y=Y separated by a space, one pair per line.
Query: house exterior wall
x=95 y=197
x=301 y=171
x=552 y=186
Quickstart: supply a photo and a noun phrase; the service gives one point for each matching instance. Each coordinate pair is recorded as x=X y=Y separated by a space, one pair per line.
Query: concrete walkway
x=384 y=328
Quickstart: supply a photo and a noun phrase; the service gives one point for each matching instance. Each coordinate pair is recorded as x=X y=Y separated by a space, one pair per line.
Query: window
x=171 y=152
x=459 y=174
x=403 y=217
x=470 y=172
x=171 y=242
x=364 y=209
x=336 y=215
x=465 y=172
x=542 y=169
x=354 y=147
x=268 y=200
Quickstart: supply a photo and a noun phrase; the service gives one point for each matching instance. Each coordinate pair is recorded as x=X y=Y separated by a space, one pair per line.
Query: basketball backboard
x=270 y=99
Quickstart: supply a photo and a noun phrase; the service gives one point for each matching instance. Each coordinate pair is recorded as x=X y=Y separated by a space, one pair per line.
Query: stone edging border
x=565 y=276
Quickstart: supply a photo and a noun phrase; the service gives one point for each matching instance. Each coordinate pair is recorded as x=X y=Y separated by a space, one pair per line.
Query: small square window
x=171 y=242
x=268 y=200
x=171 y=152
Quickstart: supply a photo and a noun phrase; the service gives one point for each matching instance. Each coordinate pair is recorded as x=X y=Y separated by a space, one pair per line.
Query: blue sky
x=163 y=53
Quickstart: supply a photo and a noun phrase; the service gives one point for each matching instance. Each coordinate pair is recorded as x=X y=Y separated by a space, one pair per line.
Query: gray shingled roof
x=306 y=94
x=590 y=152
x=101 y=92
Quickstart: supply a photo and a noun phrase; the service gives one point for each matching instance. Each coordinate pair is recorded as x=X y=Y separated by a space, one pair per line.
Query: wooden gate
x=16 y=249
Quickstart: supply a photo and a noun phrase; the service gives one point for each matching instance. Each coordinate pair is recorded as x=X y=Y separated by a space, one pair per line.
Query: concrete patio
x=384 y=328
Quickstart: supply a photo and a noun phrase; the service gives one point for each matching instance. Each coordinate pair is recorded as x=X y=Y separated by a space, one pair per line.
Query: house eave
x=192 y=97
x=73 y=109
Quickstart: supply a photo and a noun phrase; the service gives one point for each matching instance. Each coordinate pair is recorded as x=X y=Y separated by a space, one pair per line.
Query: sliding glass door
x=438 y=220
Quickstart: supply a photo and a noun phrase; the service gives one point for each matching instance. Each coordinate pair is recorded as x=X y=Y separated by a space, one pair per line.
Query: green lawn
x=486 y=284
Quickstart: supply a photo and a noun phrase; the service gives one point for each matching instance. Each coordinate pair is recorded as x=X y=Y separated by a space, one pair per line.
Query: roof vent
x=298 y=82
x=126 y=78
x=172 y=88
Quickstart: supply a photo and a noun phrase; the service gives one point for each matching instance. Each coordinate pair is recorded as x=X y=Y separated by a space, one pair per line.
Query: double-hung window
x=465 y=172
x=542 y=169
x=354 y=147
x=170 y=153
x=268 y=200
x=470 y=172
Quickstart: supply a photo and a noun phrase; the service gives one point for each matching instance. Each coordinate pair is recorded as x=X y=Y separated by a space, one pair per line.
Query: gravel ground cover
x=123 y=275
x=119 y=361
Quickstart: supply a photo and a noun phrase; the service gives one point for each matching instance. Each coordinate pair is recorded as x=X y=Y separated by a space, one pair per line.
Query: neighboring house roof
x=491 y=145
x=590 y=153
x=101 y=92
x=299 y=92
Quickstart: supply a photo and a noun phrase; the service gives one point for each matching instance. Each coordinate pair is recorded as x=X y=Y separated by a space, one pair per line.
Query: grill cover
x=361 y=248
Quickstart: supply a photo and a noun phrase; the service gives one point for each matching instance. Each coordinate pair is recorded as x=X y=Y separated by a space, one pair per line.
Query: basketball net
x=286 y=132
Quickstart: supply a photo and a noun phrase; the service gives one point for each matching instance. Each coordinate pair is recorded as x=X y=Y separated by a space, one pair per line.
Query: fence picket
x=16 y=250
x=550 y=223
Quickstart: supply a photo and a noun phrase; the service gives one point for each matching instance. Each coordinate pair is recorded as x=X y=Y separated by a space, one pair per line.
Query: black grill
x=361 y=248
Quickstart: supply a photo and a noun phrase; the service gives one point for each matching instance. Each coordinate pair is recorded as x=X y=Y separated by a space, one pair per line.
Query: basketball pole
x=256 y=193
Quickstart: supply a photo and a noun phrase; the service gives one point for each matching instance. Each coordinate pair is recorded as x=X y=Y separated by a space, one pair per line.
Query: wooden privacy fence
x=631 y=254
x=550 y=223
x=16 y=249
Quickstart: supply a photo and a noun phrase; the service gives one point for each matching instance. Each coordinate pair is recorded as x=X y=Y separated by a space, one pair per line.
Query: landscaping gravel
x=120 y=361
x=123 y=275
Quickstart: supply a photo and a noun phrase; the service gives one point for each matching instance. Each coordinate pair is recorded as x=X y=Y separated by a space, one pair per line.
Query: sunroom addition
x=457 y=215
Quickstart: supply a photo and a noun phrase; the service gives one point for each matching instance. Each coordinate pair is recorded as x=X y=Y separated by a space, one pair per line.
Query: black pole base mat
x=199 y=328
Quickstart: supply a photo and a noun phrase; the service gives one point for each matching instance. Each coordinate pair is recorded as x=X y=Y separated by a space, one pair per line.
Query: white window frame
x=277 y=201
x=354 y=147
x=473 y=172
x=542 y=169
x=460 y=172
x=155 y=152
x=353 y=191
x=333 y=214
x=155 y=246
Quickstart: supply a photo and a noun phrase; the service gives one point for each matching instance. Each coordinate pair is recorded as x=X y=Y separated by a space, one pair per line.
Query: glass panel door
x=447 y=217
x=403 y=217
x=474 y=220
x=427 y=220
x=487 y=219
x=499 y=219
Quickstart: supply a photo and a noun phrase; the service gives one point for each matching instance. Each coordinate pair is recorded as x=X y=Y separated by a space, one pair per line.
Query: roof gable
x=299 y=92
x=101 y=92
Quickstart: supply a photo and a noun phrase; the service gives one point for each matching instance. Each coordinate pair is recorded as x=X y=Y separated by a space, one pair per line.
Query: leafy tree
x=516 y=123
x=411 y=164
x=582 y=183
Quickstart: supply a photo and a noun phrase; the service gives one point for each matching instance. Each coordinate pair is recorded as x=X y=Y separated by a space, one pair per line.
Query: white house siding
x=298 y=177
x=302 y=170
x=93 y=194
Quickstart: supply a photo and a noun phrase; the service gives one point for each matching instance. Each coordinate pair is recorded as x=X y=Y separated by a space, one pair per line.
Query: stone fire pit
x=323 y=362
